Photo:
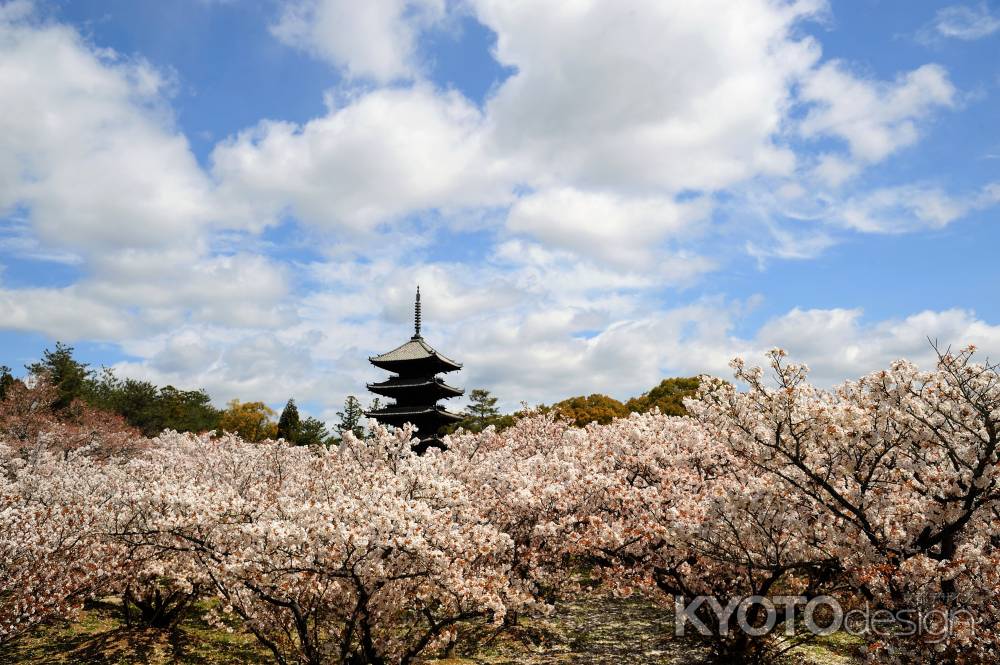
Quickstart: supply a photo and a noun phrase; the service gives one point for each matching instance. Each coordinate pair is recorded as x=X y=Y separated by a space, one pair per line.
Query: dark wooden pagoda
x=415 y=387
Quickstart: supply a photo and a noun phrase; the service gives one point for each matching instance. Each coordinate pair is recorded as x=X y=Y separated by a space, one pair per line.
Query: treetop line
x=152 y=409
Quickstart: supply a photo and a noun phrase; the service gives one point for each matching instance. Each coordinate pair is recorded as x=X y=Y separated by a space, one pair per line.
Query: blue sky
x=242 y=196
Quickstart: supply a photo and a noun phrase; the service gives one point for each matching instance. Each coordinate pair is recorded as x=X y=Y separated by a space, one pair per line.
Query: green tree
x=70 y=377
x=153 y=409
x=592 y=408
x=312 y=432
x=134 y=400
x=482 y=406
x=668 y=396
x=351 y=417
x=251 y=420
x=6 y=381
x=482 y=412
x=186 y=410
x=289 y=423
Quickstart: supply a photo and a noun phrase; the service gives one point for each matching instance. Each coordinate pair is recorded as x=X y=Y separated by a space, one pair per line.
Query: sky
x=242 y=196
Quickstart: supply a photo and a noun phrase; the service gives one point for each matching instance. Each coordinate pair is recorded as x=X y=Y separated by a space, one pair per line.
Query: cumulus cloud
x=528 y=339
x=840 y=343
x=64 y=313
x=140 y=293
x=376 y=158
x=539 y=361
x=646 y=96
x=235 y=363
x=657 y=107
x=376 y=40
x=612 y=112
x=874 y=118
x=623 y=231
x=94 y=172
x=87 y=144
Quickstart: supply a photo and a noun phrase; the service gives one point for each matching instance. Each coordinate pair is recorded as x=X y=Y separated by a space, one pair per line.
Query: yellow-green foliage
x=254 y=421
x=668 y=397
x=592 y=408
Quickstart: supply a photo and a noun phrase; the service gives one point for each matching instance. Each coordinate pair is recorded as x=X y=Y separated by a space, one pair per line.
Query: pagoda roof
x=397 y=412
x=415 y=349
x=399 y=383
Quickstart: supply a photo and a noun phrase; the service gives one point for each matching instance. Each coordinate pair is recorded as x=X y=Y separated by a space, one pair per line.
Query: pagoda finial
x=416 y=315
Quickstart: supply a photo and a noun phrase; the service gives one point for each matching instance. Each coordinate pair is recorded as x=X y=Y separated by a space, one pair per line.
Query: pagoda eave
x=431 y=364
x=399 y=415
x=401 y=389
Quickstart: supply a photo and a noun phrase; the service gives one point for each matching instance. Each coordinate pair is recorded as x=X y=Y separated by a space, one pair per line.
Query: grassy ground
x=592 y=630
x=99 y=636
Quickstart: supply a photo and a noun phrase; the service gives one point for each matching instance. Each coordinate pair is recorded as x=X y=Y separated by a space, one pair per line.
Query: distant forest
x=151 y=409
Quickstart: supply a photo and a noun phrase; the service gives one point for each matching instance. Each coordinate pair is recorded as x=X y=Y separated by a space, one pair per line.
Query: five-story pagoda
x=415 y=387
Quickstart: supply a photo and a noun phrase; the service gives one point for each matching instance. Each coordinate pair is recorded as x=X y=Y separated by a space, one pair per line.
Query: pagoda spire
x=416 y=315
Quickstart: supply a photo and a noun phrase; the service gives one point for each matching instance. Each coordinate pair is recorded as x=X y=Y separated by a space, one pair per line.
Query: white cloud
x=381 y=156
x=243 y=364
x=16 y=10
x=965 y=22
x=530 y=324
x=539 y=360
x=875 y=118
x=93 y=172
x=376 y=40
x=835 y=170
x=543 y=357
x=646 y=96
x=789 y=243
x=838 y=343
x=17 y=238
x=798 y=223
x=611 y=112
x=239 y=290
x=907 y=208
x=140 y=293
x=86 y=144
x=622 y=231
x=64 y=313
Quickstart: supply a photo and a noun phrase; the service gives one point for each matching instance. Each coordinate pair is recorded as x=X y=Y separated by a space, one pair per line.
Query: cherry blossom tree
x=906 y=462
x=28 y=422
x=361 y=554
x=682 y=518
x=52 y=554
x=536 y=483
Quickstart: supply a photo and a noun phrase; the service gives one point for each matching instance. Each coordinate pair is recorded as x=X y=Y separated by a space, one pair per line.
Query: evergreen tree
x=186 y=410
x=351 y=417
x=482 y=407
x=289 y=423
x=134 y=400
x=69 y=376
x=312 y=432
x=6 y=381
x=481 y=413
x=153 y=409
